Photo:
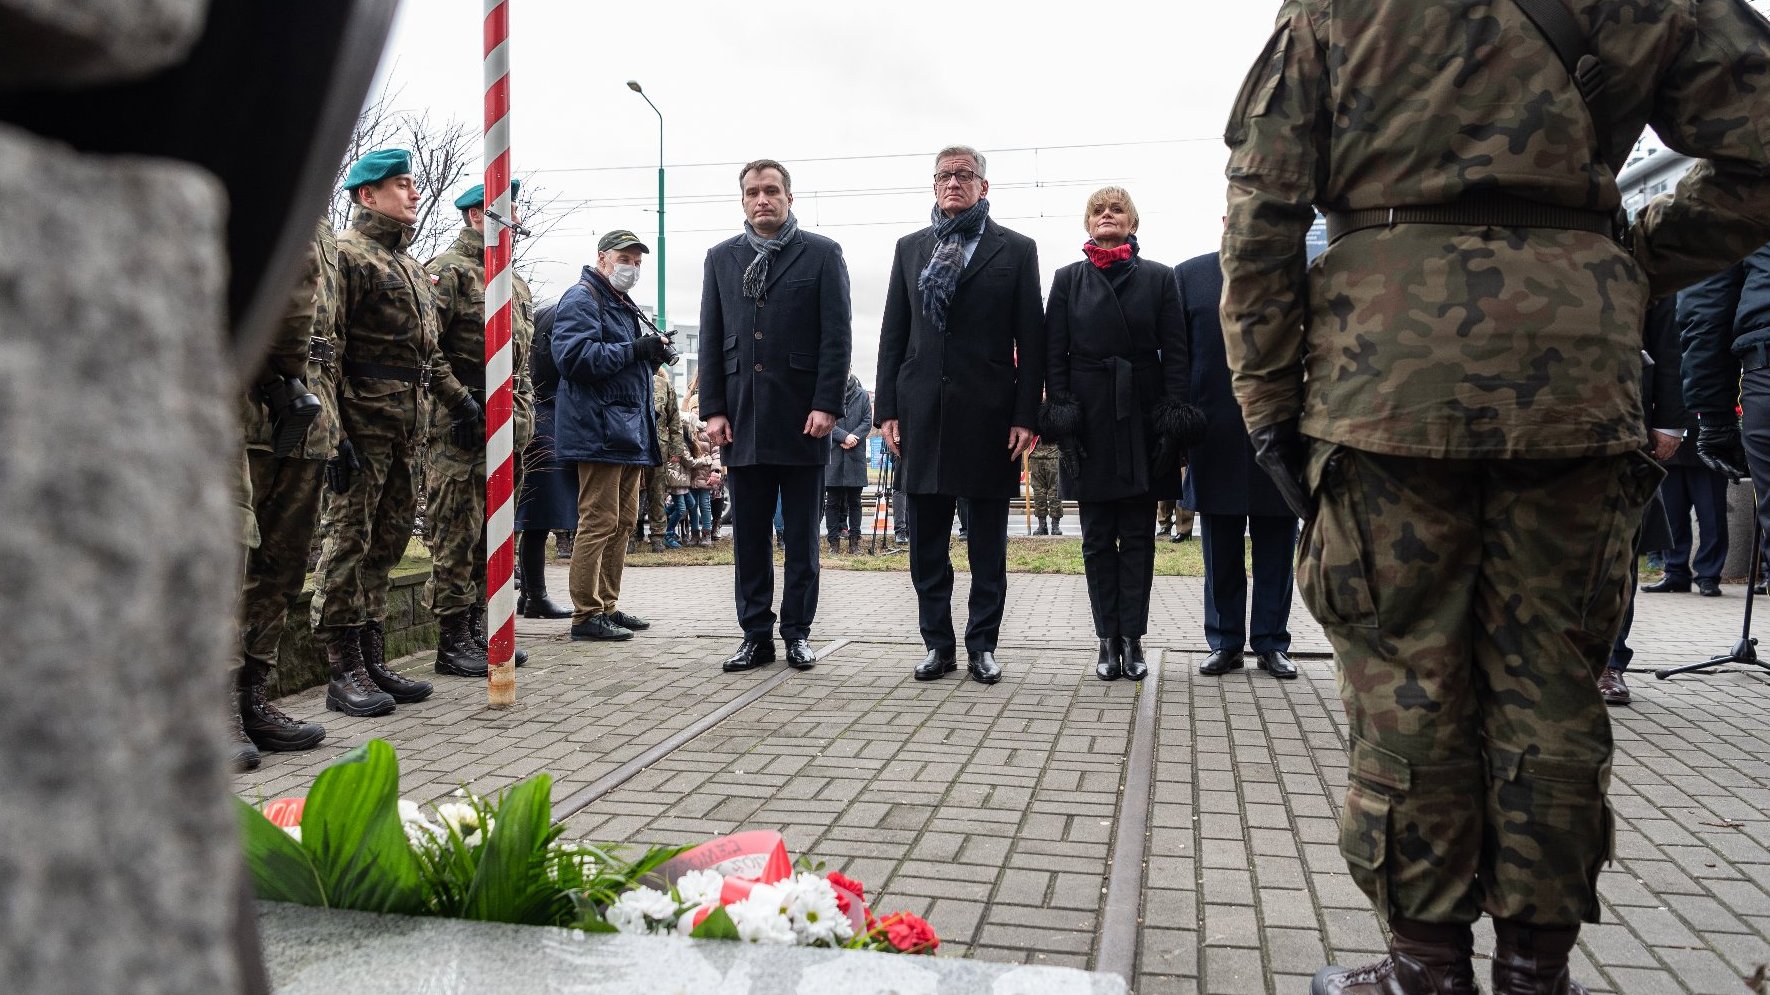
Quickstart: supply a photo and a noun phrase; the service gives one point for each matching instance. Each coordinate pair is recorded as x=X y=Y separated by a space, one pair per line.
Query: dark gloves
x=467 y=424
x=1279 y=450
x=342 y=467
x=652 y=348
x=1720 y=447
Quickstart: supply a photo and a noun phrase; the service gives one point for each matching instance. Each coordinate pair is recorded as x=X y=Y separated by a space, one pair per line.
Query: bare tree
x=443 y=153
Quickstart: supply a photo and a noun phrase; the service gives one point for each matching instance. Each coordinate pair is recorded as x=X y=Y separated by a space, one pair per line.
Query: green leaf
x=351 y=830
x=717 y=926
x=511 y=882
x=281 y=869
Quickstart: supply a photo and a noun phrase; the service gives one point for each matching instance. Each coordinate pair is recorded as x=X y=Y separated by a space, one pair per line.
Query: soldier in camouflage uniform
x=1047 y=496
x=1451 y=397
x=387 y=320
x=455 y=490
x=670 y=444
x=286 y=493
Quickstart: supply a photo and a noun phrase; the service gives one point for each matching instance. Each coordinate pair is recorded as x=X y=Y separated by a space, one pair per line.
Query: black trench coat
x=956 y=395
x=1120 y=354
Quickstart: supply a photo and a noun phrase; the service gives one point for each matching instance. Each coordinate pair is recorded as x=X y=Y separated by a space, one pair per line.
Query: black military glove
x=1720 y=447
x=652 y=348
x=467 y=424
x=341 y=469
x=292 y=409
x=1279 y=450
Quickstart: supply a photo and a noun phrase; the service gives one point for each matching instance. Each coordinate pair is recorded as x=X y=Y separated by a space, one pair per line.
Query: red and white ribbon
x=500 y=434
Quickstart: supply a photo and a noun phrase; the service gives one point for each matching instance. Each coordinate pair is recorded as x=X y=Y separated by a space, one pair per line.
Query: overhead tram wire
x=796 y=160
x=691 y=200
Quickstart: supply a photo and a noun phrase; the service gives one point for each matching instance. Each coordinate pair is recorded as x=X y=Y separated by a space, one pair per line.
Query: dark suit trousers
x=931 y=569
x=1118 y=556
x=1701 y=489
x=1226 y=582
x=754 y=491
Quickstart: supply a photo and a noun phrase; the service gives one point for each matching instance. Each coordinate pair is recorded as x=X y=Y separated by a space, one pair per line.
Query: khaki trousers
x=608 y=501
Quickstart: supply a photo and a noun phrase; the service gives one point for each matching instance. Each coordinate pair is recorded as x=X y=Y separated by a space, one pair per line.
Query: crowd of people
x=1472 y=467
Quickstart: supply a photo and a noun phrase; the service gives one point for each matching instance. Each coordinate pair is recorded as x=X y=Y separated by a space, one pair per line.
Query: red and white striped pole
x=500 y=434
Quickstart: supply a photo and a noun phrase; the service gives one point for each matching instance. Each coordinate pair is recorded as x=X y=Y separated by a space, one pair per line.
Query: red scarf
x=1106 y=257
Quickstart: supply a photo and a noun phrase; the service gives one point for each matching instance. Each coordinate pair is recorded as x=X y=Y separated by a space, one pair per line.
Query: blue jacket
x=603 y=413
x=1721 y=320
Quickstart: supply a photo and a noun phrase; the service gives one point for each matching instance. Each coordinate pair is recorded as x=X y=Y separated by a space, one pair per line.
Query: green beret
x=476 y=195
x=378 y=166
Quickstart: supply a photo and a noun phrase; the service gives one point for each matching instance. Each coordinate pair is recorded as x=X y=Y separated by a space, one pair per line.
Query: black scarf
x=940 y=278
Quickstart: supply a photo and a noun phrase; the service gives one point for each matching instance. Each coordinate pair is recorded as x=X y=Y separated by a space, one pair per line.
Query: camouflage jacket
x=1440 y=341
x=312 y=315
x=663 y=393
x=387 y=316
x=458 y=276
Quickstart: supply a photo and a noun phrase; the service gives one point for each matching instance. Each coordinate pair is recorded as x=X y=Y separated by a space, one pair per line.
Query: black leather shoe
x=1221 y=662
x=519 y=657
x=599 y=627
x=751 y=653
x=627 y=621
x=1666 y=585
x=1135 y=666
x=1277 y=663
x=1182 y=537
x=983 y=667
x=1708 y=588
x=1107 y=668
x=541 y=606
x=800 y=655
x=938 y=663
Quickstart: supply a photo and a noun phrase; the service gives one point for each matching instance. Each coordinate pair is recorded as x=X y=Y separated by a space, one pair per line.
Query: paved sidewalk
x=994 y=811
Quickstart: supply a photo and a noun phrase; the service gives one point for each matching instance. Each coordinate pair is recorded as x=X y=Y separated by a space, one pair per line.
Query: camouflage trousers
x=366 y=529
x=455 y=515
x=1047 y=498
x=1472 y=605
x=286 y=498
x=657 y=501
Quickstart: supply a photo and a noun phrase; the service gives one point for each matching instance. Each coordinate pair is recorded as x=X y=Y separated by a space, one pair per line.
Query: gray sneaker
x=599 y=627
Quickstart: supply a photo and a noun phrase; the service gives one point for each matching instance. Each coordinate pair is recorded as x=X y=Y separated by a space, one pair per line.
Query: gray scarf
x=756 y=275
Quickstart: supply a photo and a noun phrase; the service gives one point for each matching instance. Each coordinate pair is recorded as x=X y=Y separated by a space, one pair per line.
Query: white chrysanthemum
x=759 y=919
x=464 y=819
x=700 y=887
x=810 y=904
x=642 y=910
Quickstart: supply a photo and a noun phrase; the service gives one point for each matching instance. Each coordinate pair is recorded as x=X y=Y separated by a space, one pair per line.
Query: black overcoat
x=956 y=395
x=1119 y=353
x=767 y=364
x=1221 y=477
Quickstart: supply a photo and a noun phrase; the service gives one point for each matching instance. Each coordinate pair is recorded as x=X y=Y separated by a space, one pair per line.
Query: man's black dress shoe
x=984 y=668
x=1708 y=588
x=1277 y=663
x=1135 y=666
x=1107 y=668
x=938 y=663
x=751 y=653
x=1666 y=585
x=1221 y=662
x=800 y=655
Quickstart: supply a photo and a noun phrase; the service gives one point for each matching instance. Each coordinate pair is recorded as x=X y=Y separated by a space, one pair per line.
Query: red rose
x=909 y=933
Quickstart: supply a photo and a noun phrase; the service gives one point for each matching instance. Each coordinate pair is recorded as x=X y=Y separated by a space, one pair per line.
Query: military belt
x=321 y=350
x=379 y=371
x=1486 y=212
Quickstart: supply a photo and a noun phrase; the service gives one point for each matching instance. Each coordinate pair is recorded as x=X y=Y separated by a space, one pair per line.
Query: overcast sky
x=854 y=98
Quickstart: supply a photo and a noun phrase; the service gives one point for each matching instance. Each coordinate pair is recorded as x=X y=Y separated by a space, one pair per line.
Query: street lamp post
x=633 y=85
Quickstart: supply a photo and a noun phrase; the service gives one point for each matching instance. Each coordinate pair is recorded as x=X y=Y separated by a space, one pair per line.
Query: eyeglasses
x=964 y=176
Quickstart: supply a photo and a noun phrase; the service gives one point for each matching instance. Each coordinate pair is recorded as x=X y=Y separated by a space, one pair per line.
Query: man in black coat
x=961 y=364
x=1233 y=497
x=776 y=334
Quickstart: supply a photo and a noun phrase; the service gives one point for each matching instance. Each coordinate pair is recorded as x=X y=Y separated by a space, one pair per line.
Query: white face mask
x=624 y=277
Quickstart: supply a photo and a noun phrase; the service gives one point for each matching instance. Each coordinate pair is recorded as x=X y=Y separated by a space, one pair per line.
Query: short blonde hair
x=1106 y=195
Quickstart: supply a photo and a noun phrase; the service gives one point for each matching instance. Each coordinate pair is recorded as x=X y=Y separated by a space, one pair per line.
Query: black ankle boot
x=1108 y=667
x=402 y=689
x=268 y=726
x=457 y=652
x=1532 y=960
x=1134 y=665
x=349 y=689
x=241 y=749
x=1424 y=959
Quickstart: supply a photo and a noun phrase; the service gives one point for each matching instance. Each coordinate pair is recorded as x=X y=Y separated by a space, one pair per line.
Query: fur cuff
x=1060 y=417
x=1180 y=421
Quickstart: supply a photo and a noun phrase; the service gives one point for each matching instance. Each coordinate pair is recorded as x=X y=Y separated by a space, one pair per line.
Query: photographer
x=606 y=424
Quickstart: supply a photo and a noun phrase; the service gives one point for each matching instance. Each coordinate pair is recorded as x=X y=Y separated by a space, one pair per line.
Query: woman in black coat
x=1116 y=388
x=549 y=498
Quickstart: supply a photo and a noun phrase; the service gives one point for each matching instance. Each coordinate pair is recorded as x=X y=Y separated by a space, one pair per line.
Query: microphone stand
x=1745 y=651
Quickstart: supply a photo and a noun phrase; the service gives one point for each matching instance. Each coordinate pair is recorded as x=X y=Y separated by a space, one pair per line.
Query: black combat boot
x=403 y=690
x=518 y=657
x=269 y=727
x=1424 y=959
x=241 y=750
x=1044 y=527
x=1056 y=525
x=458 y=654
x=1532 y=960
x=349 y=689
x=853 y=545
x=835 y=544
